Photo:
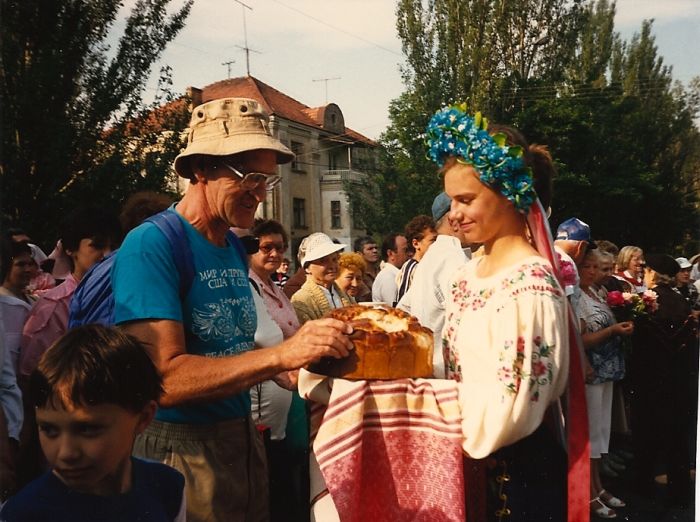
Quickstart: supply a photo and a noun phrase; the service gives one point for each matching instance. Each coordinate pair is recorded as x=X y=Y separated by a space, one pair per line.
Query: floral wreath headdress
x=452 y=132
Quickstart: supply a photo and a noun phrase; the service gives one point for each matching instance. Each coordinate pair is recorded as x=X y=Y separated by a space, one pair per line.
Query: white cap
x=316 y=246
x=683 y=262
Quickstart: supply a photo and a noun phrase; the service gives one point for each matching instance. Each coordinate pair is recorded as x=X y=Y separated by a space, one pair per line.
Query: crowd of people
x=198 y=362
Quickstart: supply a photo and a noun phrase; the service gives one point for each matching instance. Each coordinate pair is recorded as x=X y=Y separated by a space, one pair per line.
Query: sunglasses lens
x=279 y=247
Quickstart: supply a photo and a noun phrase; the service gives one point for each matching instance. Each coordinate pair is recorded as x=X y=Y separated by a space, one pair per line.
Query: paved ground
x=645 y=509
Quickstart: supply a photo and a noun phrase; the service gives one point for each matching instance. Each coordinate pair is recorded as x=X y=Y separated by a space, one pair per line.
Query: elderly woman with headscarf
x=663 y=378
x=320 y=293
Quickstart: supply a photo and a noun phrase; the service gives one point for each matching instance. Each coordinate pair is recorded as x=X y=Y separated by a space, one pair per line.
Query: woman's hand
x=589 y=371
x=624 y=328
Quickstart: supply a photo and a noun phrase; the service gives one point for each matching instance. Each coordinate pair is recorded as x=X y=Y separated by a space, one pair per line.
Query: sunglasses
x=252 y=180
x=269 y=247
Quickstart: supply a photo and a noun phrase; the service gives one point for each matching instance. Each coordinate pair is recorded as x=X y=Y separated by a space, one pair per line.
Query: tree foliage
x=621 y=131
x=74 y=125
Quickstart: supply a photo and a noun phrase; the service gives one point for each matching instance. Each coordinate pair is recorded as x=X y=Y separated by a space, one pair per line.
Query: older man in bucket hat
x=203 y=345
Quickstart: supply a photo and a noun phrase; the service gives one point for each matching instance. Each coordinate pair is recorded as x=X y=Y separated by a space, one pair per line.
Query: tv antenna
x=245 y=36
x=325 y=81
x=228 y=66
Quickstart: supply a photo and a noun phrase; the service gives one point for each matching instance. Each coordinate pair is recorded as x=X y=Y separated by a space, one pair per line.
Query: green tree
x=489 y=53
x=621 y=131
x=625 y=138
x=72 y=107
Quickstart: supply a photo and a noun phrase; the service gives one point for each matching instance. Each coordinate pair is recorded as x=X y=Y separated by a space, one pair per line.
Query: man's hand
x=316 y=339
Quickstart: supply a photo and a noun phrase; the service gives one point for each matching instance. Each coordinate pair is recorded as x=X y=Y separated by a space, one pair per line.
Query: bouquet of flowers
x=628 y=306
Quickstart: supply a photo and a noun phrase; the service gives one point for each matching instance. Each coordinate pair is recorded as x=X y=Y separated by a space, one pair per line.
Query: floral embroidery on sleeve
x=513 y=374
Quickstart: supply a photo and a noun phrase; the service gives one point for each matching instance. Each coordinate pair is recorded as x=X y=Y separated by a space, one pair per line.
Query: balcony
x=341 y=175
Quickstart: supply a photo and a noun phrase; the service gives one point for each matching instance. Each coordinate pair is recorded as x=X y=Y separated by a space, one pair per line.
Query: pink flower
x=521 y=345
x=568 y=273
x=650 y=303
x=539 y=368
x=615 y=298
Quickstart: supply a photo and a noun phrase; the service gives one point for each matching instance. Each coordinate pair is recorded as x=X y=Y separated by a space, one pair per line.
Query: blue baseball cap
x=573 y=229
x=441 y=206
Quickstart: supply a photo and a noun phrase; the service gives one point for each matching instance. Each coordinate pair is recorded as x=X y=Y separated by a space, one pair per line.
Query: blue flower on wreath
x=452 y=132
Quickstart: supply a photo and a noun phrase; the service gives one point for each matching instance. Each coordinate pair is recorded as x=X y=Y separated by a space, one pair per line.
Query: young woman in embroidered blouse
x=601 y=339
x=505 y=336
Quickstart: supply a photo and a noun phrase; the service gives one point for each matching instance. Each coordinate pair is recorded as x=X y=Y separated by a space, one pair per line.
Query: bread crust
x=389 y=344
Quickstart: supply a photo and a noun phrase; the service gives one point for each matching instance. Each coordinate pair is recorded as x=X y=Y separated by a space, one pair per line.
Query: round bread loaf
x=389 y=344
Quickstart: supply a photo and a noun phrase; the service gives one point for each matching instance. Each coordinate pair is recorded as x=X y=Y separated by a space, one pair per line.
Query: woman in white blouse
x=601 y=340
x=505 y=335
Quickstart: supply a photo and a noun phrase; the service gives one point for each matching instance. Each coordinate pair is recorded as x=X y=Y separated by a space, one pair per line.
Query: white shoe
x=610 y=500
x=601 y=510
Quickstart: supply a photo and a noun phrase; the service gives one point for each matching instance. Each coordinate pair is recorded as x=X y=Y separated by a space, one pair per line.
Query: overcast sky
x=355 y=40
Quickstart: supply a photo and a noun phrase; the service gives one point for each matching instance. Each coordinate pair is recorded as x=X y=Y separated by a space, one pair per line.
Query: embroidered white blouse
x=506 y=341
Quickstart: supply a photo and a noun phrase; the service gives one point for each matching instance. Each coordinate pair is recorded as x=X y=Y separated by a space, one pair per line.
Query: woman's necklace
x=591 y=293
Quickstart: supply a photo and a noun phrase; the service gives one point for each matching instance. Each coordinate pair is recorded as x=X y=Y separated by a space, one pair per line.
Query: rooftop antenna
x=228 y=66
x=245 y=36
x=325 y=80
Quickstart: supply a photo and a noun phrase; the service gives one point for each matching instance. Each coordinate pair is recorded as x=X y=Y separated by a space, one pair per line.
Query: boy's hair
x=92 y=365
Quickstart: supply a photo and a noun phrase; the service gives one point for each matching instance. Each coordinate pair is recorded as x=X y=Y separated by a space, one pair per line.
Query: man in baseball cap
x=425 y=299
x=202 y=343
x=572 y=241
x=574 y=237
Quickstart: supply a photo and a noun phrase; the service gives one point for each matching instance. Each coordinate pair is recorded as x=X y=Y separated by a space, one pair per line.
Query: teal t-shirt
x=218 y=314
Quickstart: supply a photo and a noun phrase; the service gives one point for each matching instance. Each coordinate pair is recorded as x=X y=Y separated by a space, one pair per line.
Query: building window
x=298 y=150
x=335 y=214
x=299 y=210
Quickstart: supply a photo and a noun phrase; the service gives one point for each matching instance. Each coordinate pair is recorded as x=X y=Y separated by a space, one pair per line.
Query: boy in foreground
x=94 y=391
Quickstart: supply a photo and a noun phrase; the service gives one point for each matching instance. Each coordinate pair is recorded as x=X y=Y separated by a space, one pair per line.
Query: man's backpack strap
x=170 y=224
x=232 y=239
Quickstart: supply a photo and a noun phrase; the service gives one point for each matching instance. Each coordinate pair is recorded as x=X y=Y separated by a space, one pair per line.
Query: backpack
x=93 y=300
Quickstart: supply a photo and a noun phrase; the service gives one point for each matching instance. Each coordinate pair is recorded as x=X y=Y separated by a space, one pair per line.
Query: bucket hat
x=318 y=245
x=229 y=126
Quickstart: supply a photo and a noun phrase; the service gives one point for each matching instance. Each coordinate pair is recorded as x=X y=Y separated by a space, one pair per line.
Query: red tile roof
x=275 y=102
